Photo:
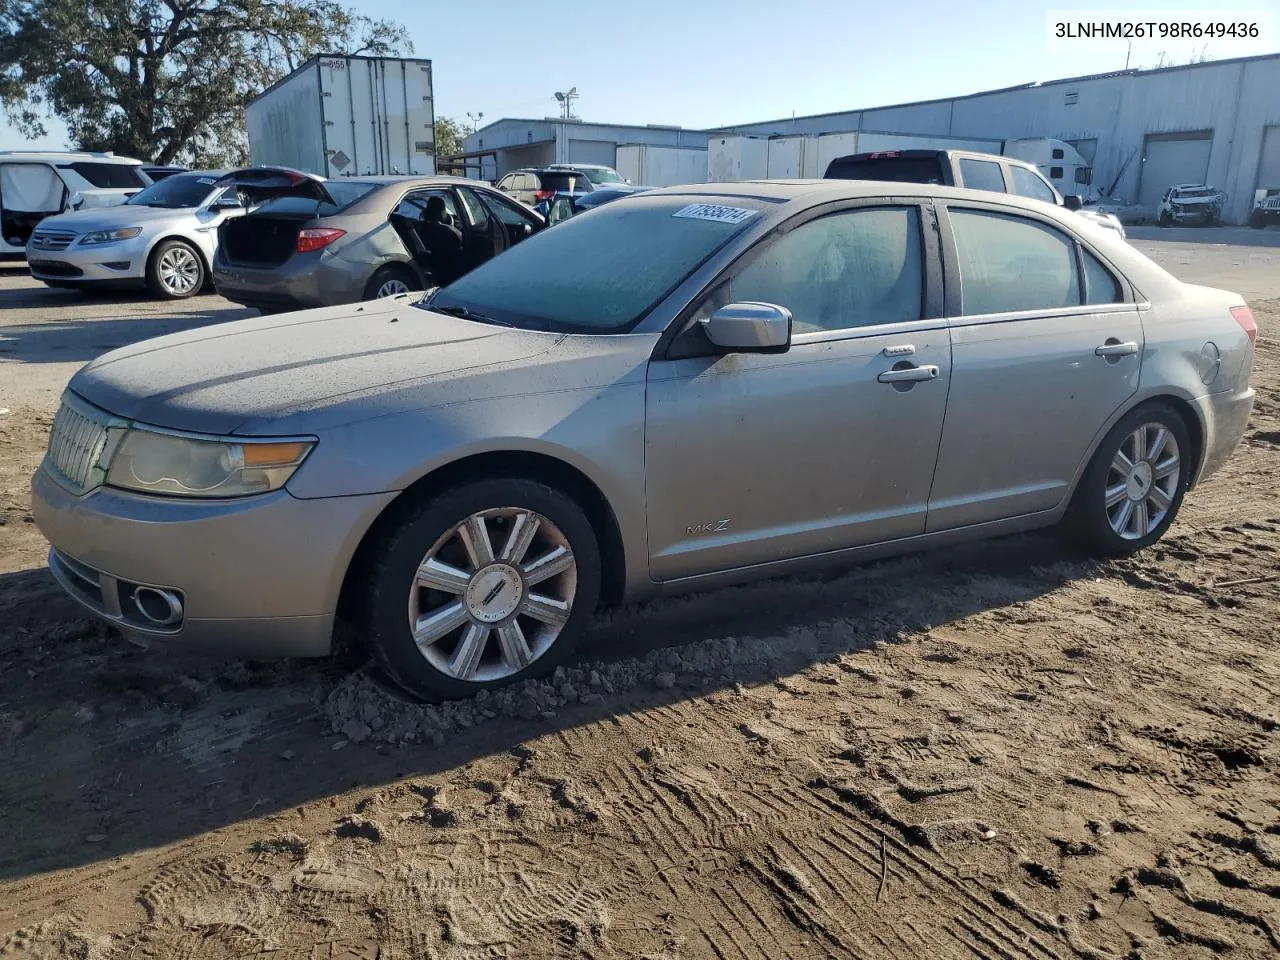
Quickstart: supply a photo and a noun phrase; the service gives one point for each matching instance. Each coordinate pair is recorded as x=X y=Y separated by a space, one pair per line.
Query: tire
x=1165 y=219
x=175 y=271
x=1095 y=525
x=392 y=275
x=1257 y=220
x=480 y=605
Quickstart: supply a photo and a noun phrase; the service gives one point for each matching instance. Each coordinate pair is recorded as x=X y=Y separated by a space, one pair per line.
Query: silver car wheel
x=179 y=270
x=1142 y=481
x=391 y=287
x=492 y=594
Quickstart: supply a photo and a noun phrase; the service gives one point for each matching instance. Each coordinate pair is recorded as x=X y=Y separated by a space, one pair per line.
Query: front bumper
x=258 y=576
x=106 y=262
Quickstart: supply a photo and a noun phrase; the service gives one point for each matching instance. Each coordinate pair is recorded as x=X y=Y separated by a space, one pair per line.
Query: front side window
x=508 y=213
x=852 y=269
x=982 y=175
x=1010 y=263
x=1027 y=184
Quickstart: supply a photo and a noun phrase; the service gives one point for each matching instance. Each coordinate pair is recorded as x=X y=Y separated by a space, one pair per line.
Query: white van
x=38 y=185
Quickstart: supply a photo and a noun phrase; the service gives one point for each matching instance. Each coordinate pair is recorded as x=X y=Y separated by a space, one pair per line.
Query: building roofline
x=587 y=123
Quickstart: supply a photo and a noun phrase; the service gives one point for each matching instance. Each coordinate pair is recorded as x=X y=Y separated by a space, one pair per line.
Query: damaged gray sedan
x=690 y=387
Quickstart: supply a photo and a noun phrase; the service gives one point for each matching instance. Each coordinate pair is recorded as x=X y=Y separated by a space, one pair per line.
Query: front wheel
x=1133 y=487
x=1257 y=220
x=175 y=271
x=489 y=583
x=1166 y=219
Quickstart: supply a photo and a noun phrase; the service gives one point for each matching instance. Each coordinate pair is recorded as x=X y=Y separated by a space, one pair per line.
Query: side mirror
x=749 y=327
x=222 y=206
x=628 y=179
x=1072 y=201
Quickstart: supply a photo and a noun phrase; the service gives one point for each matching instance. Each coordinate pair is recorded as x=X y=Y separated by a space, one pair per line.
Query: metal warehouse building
x=1143 y=130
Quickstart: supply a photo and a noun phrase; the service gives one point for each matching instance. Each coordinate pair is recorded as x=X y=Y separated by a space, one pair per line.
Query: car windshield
x=177 y=192
x=1196 y=192
x=602 y=272
x=602 y=175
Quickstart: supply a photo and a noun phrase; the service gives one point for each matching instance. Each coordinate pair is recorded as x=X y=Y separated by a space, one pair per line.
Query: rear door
x=1046 y=346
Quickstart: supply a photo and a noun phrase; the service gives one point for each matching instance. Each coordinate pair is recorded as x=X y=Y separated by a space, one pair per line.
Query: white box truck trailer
x=343 y=116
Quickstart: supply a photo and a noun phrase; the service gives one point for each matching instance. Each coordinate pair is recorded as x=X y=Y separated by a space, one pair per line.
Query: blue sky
x=699 y=63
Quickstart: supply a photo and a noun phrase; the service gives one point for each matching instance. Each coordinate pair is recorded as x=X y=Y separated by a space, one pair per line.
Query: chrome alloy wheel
x=1142 y=481
x=492 y=594
x=179 y=270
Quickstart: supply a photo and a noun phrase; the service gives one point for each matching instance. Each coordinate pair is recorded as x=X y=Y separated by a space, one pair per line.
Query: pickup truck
x=961 y=168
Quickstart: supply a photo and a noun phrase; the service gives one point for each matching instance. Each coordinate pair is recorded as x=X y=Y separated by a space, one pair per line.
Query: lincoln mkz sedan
x=690 y=387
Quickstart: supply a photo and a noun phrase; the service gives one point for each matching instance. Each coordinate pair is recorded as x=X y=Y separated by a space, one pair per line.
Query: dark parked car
x=157 y=172
x=311 y=242
x=565 y=205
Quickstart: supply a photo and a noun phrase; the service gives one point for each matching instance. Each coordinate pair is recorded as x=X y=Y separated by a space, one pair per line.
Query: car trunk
x=280 y=204
x=268 y=236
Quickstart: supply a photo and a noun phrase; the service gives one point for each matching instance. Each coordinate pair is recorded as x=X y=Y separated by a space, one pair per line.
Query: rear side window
x=1099 y=284
x=1055 y=173
x=853 y=269
x=108 y=175
x=346 y=192
x=888 y=169
x=1011 y=263
x=1027 y=184
x=982 y=175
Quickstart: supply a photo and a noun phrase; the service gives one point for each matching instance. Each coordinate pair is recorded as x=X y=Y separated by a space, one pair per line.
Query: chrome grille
x=75 y=444
x=42 y=240
x=1272 y=203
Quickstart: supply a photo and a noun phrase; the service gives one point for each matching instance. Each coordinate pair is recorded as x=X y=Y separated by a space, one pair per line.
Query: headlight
x=184 y=466
x=109 y=236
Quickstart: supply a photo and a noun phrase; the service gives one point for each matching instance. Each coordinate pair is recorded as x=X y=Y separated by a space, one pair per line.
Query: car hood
x=110 y=218
x=225 y=378
x=1213 y=198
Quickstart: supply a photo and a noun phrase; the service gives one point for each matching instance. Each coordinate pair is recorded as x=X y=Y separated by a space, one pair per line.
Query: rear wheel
x=391 y=280
x=175 y=270
x=487 y=584
x=1133 y=487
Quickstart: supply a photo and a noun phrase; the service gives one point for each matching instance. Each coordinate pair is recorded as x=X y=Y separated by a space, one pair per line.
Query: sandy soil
x=997 y=751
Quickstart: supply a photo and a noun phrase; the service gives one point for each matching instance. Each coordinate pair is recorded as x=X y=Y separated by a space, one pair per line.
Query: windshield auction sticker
x=714 y=212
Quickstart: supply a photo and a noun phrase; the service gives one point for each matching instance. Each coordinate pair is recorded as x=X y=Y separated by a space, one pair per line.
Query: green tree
x=166 y=80
x=449 y=137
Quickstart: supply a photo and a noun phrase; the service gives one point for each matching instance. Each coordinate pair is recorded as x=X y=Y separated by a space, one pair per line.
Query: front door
x=752 y=458
x=1045 y=349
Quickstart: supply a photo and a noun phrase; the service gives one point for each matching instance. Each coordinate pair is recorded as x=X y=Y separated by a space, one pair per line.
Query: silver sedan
x=690 y=387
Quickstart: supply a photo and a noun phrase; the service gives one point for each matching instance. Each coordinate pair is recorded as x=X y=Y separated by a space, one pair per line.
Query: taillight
x=544 y=194
x=317 y=238
x=1244 y=317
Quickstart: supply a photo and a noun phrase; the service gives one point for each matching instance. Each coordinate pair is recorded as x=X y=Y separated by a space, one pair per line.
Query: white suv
x=38 y=185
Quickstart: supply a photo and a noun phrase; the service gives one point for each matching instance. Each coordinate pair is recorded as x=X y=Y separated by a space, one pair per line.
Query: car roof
x=63 y=156
x=382 y=181
x=837 y=189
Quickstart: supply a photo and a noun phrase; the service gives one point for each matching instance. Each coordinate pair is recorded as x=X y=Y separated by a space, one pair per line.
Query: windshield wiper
x=465 y=313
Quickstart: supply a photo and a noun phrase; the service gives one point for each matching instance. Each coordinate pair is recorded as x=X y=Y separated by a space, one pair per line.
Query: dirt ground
x=997 y=751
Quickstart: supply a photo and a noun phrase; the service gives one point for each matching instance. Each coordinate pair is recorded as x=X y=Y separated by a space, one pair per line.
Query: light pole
x=475 y=119
x=566 y=99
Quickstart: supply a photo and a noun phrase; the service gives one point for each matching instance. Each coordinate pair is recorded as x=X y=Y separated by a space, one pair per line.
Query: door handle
x=909 y=375
x=1115 y=349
